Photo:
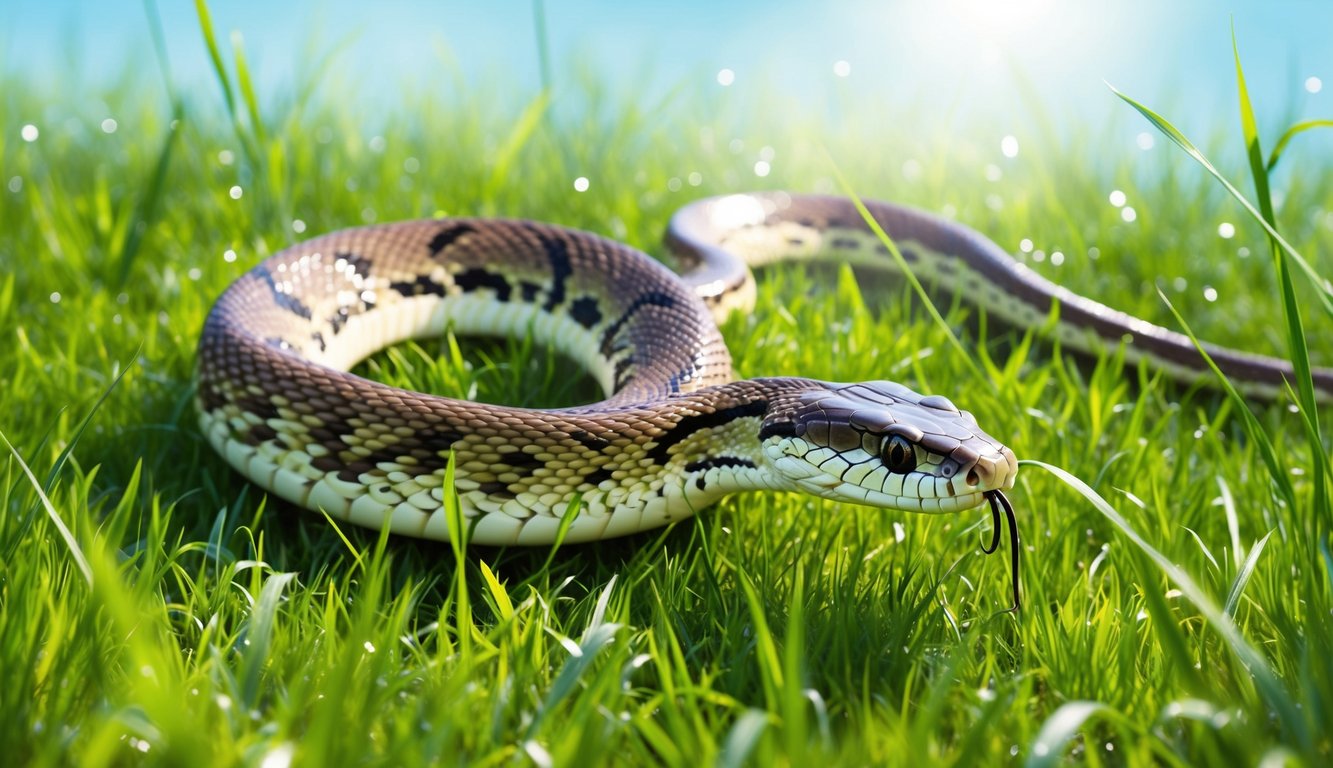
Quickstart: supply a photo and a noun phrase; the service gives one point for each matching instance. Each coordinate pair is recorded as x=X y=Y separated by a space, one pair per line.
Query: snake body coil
x=675 y=433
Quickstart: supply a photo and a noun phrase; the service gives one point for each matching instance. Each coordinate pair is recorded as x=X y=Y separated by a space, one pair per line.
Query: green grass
x=1191 y=624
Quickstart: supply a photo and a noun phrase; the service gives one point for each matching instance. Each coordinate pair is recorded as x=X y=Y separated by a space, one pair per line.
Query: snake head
x=881 y=444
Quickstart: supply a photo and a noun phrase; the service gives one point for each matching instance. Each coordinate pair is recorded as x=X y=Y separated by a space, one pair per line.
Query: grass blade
x=1243 y=577
x=1296 y=342
x=259 y=634
x=215 y=54
x=1266 y=681
x=1323 y=289
x=247 y=86
x=518 y=138
x=1255 y=430
x=1290 y=134
x=145 y=211
x=906 y=269
x=75 y=550
x=1062 y=727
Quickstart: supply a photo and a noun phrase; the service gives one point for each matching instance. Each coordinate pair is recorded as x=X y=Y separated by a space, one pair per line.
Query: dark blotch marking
x=795 y=241
x=421 y=286
x=597 y=476
x=529 y=290
x=707 y=464
x=318 y=338
x=260 y=433
x=777 y=429
x=585 y=312
x=649 y=299
x=435 y=439
x=292 y=304
x=283 y=299
x=624 y=367
x=720 y=461
x=557 y=252
x=846 y=243
x=448 y=236
x=429 y=447
x=496 y=490
x=520 y=462
x=352 y=471
x=476 y=277
x=701 y=421
x=327 y=463
x=360 y=264
x=338 y=319
x=909 y=255
x=259 y=405
x=589 y=440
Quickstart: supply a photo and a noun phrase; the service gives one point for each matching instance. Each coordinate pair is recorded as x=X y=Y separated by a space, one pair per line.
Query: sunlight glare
x=736 y=211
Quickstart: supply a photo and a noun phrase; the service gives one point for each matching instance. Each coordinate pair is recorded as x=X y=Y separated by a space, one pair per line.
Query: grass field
x=156 y=608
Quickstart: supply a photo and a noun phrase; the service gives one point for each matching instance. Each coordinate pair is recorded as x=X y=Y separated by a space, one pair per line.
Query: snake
x=677 y=430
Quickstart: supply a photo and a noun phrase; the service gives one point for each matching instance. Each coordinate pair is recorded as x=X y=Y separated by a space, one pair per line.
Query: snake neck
x=716 y=444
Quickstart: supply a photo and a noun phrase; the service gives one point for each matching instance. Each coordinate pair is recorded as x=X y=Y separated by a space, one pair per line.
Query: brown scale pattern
x=253 y=372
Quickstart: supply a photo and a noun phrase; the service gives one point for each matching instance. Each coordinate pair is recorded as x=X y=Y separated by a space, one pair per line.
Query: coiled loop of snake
x=675 y=432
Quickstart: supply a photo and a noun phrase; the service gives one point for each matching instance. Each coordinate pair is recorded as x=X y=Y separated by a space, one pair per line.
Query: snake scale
x=676 y=431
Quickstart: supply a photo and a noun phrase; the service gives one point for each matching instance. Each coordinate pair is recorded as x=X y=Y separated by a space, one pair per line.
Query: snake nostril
x=972 y=478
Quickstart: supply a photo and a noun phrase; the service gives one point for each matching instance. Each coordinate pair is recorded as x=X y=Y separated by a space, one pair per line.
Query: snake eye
x=898 y=455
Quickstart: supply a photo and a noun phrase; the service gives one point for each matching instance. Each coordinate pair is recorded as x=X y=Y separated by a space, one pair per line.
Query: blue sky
x=964 y=54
